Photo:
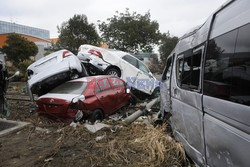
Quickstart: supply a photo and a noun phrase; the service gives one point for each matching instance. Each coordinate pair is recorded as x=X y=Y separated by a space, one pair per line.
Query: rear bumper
x=67 y=116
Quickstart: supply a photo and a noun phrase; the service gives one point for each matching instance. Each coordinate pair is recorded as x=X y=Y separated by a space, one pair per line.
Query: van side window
x=179 y=69
x=189 y=70
x=241 y=68
x=219 y=66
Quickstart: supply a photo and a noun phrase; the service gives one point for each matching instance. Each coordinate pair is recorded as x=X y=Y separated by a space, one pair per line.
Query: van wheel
x=96 y=115
x=114 y=72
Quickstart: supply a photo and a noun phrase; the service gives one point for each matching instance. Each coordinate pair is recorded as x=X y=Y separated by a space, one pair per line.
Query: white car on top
x=118 y=63
x=52 y=70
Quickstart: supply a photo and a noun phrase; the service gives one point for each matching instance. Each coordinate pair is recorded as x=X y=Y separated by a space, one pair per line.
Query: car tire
x=114 y=72
x=74 y=75
x=96 y=115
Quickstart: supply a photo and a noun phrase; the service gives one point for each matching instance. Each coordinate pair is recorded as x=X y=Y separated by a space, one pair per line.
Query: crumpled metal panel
x=165 y=99
x=225 y=144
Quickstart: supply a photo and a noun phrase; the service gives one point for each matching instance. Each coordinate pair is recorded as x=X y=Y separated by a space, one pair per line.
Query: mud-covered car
x=101 y=61
x=96 y=97
x=52 y=70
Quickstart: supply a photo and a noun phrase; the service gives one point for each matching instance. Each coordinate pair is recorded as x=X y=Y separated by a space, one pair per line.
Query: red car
x=96 y=97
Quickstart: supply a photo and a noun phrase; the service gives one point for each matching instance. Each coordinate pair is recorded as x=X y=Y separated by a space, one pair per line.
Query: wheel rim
x=114 y=73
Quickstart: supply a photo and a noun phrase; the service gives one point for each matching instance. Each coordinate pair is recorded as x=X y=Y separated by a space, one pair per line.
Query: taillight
x=95 y=52
x=66 y=54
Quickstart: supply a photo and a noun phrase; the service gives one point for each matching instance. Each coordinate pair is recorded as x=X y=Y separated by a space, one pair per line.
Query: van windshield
x=70 y=88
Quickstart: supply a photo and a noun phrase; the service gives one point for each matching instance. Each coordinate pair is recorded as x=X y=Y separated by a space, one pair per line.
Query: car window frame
x=137 y=64
x=99 y=89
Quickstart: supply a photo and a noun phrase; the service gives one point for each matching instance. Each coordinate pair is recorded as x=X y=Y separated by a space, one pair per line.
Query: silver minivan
x=209 y=88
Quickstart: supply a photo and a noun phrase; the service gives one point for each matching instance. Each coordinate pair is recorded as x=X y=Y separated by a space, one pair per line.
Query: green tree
x=77 y=31
x=18 y=49
x=167 y=45
x=130 y=32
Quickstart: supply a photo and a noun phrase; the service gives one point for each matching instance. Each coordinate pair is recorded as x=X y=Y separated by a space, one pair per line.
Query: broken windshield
x=70 y=88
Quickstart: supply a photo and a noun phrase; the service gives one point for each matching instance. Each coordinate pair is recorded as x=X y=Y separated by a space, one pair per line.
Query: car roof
x=118 y=53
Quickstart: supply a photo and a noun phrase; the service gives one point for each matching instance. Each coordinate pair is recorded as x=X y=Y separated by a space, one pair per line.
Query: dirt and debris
x=49 y=143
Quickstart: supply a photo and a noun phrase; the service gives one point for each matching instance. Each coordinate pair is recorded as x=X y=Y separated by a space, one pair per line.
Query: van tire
x=96 y=115
x=114 y=72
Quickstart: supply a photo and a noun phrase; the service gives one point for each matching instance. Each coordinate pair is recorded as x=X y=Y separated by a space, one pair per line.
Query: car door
x=187 y=119
x=106 y=96
x=120 y=90
x=145 y=80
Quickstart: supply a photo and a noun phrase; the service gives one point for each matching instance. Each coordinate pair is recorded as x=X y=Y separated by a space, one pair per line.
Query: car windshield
x=70 y=88
x=143 y=68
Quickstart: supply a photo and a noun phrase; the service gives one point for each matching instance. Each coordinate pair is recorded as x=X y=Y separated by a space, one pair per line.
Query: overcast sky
x=176 y=16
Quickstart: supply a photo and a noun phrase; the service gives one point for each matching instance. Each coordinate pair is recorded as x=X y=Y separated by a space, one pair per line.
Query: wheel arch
x=113 y=66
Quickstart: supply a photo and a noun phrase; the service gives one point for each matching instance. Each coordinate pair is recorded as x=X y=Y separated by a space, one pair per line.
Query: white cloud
x=177 y=16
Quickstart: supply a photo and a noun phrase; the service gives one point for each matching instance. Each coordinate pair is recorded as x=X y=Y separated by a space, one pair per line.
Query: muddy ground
x=49 y=143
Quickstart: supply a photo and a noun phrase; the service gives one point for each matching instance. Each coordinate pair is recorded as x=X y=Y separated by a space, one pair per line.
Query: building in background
x=8 y=27
x=37 y=35
x=147 y=58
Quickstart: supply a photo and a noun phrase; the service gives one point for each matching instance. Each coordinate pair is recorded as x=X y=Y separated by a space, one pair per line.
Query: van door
x=226 y=99
x=187 y=119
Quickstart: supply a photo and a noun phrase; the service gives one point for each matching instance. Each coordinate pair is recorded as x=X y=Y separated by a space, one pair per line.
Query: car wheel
x=74 y=75
x=114 y=72
x=96 y=115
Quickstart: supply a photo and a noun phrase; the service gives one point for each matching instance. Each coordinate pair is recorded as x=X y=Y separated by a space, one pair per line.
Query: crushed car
x=52 y=70
x=94 y=97
x=101 y=61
